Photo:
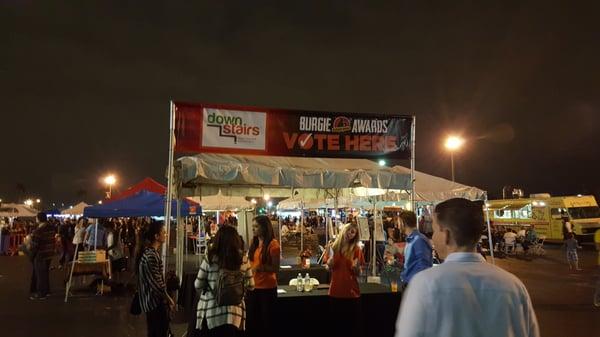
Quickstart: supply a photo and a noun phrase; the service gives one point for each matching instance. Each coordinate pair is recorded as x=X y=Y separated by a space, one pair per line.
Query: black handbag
x=136 y=308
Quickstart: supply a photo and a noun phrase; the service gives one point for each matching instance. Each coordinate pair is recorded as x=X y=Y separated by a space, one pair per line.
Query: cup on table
x=394 y=286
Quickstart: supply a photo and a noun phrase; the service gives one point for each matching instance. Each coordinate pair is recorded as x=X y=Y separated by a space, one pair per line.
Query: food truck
x=548 y=214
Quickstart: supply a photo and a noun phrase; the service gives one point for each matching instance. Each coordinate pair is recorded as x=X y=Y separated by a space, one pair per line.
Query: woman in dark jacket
x=152 y=288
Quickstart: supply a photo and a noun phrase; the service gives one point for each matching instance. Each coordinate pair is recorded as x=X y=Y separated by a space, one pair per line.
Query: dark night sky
x=85 y=85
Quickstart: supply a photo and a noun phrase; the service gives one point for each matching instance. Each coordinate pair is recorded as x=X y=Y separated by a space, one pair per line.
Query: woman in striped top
x=224 y=253
x=152 y=289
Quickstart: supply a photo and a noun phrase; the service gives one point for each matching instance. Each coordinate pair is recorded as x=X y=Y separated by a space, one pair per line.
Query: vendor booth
x=76 y=210
x=266 y=153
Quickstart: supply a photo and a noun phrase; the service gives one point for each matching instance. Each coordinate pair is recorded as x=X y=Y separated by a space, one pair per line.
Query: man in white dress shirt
x=464 y=296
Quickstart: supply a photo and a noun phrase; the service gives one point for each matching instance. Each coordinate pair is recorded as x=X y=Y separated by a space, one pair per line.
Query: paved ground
x=562 y=301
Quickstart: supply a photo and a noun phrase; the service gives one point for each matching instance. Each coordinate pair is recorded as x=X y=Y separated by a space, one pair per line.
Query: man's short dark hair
x=42 y=217
x=409 y=219
x=464 y=218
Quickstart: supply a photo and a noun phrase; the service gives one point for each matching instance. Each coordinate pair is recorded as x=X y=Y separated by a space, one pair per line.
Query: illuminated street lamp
x=110 y=180
x=381 y=162
x=38 y=201
x=28 y=202
x=453 y=143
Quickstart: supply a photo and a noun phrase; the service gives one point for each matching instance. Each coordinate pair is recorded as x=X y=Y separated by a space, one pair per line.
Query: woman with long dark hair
x=225 y=262
x=152 y=288
x=345 y=260
x=264 y=255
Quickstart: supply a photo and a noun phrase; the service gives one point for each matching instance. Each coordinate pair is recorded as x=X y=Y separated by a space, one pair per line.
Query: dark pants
x=260 y=311
x=346 y=317
x=66 y=252
x=226 y=330
x=157 y=322
x=80 y=248
x=40 y=277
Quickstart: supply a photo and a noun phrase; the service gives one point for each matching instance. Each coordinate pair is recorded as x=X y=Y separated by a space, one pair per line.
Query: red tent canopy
x=148 y=184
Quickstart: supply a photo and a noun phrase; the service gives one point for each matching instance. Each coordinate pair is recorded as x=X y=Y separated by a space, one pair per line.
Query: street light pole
x=452 y=163
x=453 y=143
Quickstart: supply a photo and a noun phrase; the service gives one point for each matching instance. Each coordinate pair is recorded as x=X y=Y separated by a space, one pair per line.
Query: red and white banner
x=218 y=128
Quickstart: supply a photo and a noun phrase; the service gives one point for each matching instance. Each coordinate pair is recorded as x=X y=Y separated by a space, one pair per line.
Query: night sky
x=85 y=85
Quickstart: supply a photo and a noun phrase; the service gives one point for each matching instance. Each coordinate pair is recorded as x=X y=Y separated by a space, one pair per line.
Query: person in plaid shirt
x=224 y=253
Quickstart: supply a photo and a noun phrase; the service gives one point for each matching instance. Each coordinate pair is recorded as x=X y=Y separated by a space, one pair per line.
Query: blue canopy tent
x=143 y=203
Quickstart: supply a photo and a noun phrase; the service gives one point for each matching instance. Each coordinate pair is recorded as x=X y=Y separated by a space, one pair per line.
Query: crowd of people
x=237 y=281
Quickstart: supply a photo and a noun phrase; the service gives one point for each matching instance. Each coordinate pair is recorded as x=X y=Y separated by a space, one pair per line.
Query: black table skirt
x=306 y=314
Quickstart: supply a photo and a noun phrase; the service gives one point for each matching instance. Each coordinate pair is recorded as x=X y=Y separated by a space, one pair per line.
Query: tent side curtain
x=143 y=203
x=205 y=174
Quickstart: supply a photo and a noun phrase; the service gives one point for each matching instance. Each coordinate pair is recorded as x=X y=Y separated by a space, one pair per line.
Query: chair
x=510 y=247
x=538 y=247
x=200 y=245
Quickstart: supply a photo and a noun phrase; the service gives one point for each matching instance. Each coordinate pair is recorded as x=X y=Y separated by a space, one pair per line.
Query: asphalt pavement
x=562 y=301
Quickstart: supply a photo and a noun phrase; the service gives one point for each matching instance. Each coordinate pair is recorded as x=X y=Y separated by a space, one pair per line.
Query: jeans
x=40 y=277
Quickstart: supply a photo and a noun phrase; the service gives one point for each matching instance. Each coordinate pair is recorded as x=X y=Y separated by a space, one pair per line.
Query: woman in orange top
x=344 y=261
x=264 y=256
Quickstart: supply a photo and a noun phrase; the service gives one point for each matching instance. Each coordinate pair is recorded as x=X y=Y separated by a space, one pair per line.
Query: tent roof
x=206 y=174
x=17 y=210
x=76 y=210
x=143 y=203
x=148 y=184
x=432 y=188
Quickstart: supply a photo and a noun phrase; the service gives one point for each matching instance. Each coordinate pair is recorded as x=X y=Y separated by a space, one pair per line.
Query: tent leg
x=71 y=274
x=489 y=228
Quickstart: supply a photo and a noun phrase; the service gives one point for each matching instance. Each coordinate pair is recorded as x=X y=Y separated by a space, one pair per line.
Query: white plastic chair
x=538 y=247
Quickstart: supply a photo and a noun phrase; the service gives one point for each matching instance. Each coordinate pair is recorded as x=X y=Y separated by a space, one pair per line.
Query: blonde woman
x=345 y=260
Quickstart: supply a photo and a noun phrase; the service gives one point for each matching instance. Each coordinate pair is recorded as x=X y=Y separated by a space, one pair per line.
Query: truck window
x=588 y=212
x=558 y=213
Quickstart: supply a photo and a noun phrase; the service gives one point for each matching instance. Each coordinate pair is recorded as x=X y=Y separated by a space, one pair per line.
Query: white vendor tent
x=343 y=202
x=432 y=188
x=17 y=211
x=235 y=175
x=221 y=202
x=75 y=210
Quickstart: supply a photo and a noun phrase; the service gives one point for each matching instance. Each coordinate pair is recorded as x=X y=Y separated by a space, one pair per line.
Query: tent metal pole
x=169 y=196
x=412 y=163
x=302 y=229
x=179 y=257
x=489 y=227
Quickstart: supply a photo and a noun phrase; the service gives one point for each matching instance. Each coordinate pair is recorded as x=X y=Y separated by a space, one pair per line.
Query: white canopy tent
x=235 y=175
x=342 y=202
x=75 y=210
x=17 y=211
x=220 y=202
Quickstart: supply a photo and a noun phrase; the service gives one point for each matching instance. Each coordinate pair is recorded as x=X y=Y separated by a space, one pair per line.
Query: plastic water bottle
x=307 y=284
x=299 y=283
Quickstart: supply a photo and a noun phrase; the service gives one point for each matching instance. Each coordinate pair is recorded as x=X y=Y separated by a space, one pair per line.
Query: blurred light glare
x=110 y=180
x=454 y=143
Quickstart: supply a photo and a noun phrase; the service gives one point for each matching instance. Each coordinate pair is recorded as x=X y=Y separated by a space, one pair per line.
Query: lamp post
x=452 y=144
x=110 y=180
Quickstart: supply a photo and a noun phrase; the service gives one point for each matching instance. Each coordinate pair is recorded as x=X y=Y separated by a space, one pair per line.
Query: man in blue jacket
x=417 y=253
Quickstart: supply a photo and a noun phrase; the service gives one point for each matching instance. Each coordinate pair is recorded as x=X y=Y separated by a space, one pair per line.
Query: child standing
x=572 y=245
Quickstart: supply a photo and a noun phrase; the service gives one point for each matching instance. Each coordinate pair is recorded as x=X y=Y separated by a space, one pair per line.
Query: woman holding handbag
x=222 y=281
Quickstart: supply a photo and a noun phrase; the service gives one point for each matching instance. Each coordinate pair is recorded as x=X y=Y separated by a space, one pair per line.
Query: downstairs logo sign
x=234 y=129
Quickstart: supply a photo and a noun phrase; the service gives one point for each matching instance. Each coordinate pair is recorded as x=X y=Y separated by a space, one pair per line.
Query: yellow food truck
x=547 y=214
